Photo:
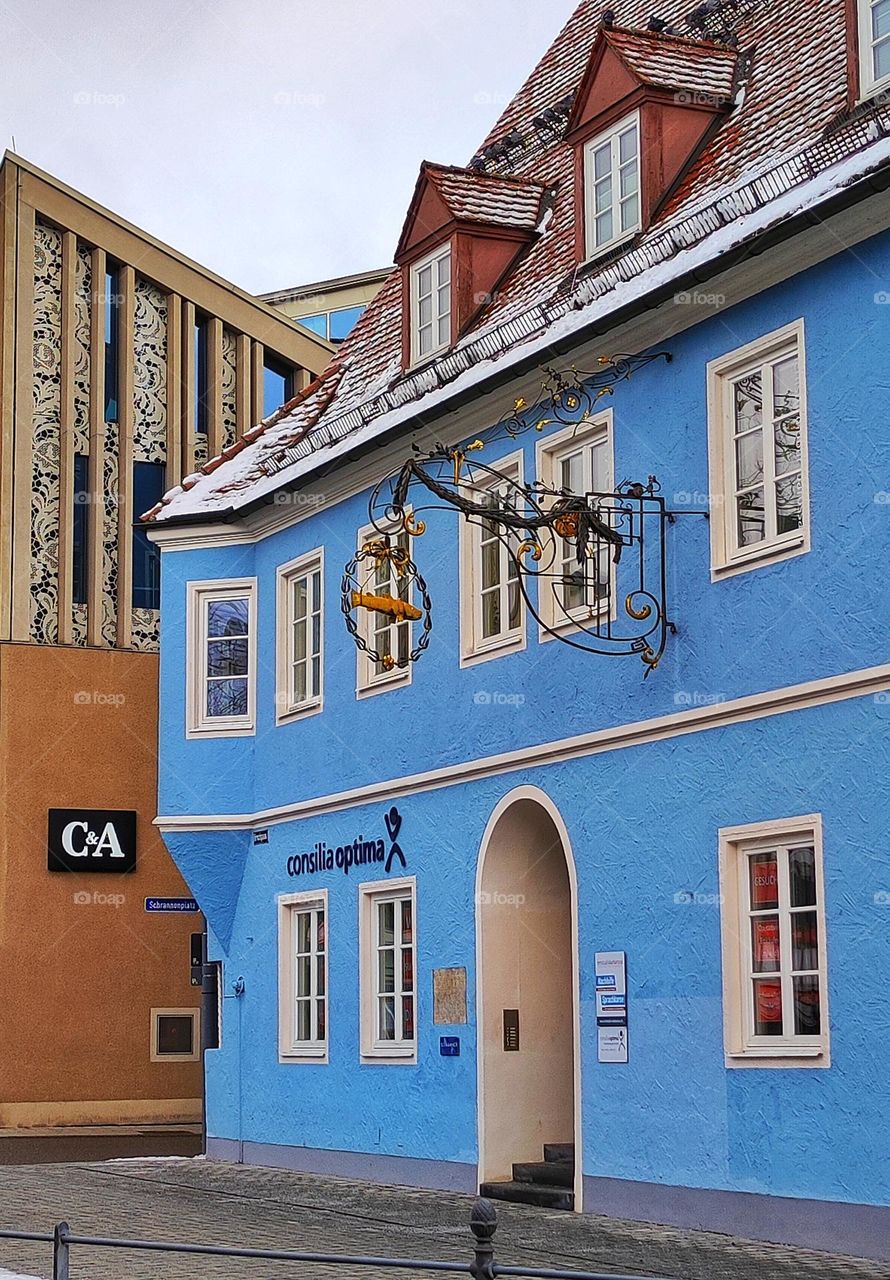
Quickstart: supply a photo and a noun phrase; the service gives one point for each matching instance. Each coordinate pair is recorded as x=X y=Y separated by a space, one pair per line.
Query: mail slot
x=511 y=1030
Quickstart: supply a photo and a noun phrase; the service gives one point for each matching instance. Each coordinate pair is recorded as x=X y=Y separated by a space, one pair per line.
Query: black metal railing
x=482 y=1266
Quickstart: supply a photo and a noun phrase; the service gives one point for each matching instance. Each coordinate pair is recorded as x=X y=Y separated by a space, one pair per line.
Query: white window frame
x=431 y=260
x=869 y=83
x=290 y=906
x=286 y=706
x=368 y=681
x=195 y=1055
x=369 y=896
x=592 y=246
x=727 y=558
x=742 y=1047
x=200 y=595
x=475 y=647
x=550 y=452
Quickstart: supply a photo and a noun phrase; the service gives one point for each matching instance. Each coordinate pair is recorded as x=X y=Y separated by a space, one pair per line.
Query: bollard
x=60 y=1251
x=483 y=1224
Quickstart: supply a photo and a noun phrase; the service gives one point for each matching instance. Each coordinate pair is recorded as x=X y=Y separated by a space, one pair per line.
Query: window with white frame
x=300 y=634
x=431 y=305
x=387 y=636
x=303 y=975
x=492 y=606
x=388 y=969
x=577 y=461
x=757 y=425
x=175 y=1035
x=874 y=45
x=612 y=198
x=222 y=657
x=774 y=941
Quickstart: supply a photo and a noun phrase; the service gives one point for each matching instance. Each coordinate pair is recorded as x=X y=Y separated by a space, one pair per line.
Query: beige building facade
x=330 y=308
x=123 y=367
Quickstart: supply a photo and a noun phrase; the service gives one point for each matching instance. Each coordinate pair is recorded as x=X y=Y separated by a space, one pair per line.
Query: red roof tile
x=797 y=87
x=480 y=197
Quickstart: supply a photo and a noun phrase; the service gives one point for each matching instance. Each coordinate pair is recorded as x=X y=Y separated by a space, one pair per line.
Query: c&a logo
x=92 y=840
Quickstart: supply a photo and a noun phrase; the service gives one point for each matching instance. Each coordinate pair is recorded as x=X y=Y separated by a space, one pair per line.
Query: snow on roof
x=789 y=124
x=676 y=62
x=480 y=197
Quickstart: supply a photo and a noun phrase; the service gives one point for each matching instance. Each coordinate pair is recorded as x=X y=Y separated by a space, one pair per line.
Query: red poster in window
x=768 y=1002
x=764 y=882
x=766 y=943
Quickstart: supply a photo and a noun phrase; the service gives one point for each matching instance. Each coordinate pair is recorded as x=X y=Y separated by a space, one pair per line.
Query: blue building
x=525 y=688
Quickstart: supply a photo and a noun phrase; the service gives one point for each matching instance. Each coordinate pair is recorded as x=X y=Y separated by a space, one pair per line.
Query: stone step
x=559 y=1151
x=529 y=1193
x=553 y=1173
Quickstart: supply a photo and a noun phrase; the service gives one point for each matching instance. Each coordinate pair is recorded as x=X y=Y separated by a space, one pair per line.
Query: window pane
x=807 y=1011
x=320 y=1015
x=802 y=869
x=630 y=213
x=386 y=970
x=386 y=923
x=227 y=657
x=407 y=925
x=318 y=323
x=602 y=160
x=320 y=935
x=804 y=941
x=304 y=1019
x=227 y=617
x=301 y=597
x=304 y=975
x=788 y=450
x=304 y=932
x=882 y=60
x=277 y=383
x=387 y=1018
x=491 y=613
x=880 y=19
x=627 y=145
x=316 y=677
x=602 y=195
x=604 y=228
x=344 y=321
x=764 y=881
x=751 y=519
x=765 y=945
x=491 y=564
x=786 y=386
x=407 y=1017
x=748 y=403
x=767 y=1007
x=749 y=460
x=445 y=269
x=227 y=698
x=149 y=483
x=79 y=594
x=443 y=332
x=407 y=969
x=789 y=505
x=629 y=180
x=425 y=281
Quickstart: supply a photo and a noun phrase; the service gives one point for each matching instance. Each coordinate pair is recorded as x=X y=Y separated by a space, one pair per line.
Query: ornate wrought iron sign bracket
x=591 y=567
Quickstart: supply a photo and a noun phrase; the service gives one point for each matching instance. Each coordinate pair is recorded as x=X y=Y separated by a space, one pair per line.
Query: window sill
x=222 y=730
x=318 y=1056
x=384 y=684
x=780 y=1056
x=760 y=557
x=512 y=643
x=601 y=251
x=299 y=713
x=391 y=1054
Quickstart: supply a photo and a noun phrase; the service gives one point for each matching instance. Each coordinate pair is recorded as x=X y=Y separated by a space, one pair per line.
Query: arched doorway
x=527 y=973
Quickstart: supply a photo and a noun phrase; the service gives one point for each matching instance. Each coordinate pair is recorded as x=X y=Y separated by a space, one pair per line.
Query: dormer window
x=874 y=45
x=431 y=305
x=612 y=185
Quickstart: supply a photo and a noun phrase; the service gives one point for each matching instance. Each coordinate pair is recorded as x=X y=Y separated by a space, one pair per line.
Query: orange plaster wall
x=78 y=729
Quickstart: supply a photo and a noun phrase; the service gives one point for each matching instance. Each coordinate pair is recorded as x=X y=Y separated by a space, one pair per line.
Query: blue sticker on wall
x=449 y=1046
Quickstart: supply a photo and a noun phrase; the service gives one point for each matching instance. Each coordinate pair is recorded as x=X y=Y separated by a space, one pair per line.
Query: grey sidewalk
x=201 y=1202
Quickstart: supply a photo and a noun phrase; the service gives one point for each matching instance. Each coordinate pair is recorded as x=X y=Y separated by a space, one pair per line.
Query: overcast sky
x=275 y=141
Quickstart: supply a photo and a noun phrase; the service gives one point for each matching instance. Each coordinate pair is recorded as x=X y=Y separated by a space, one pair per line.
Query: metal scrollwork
x=573 y=556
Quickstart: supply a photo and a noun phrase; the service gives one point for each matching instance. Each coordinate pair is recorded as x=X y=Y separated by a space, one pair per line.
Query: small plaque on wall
x=449 y=997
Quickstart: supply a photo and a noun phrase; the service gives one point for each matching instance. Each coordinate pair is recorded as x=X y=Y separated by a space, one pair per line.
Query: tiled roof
x=677 y=63
x=795 y=90
x=479 y=197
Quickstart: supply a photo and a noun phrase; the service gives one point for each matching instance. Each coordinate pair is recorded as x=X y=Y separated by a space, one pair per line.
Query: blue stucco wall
x=642 y=824
x=643 y=821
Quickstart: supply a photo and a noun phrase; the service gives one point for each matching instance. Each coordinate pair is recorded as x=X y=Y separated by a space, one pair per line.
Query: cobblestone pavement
x=202 y=1202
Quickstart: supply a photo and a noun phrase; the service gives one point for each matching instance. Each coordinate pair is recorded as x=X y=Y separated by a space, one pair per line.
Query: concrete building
x=525 y=685
x=330 y=308
x=123 y=367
